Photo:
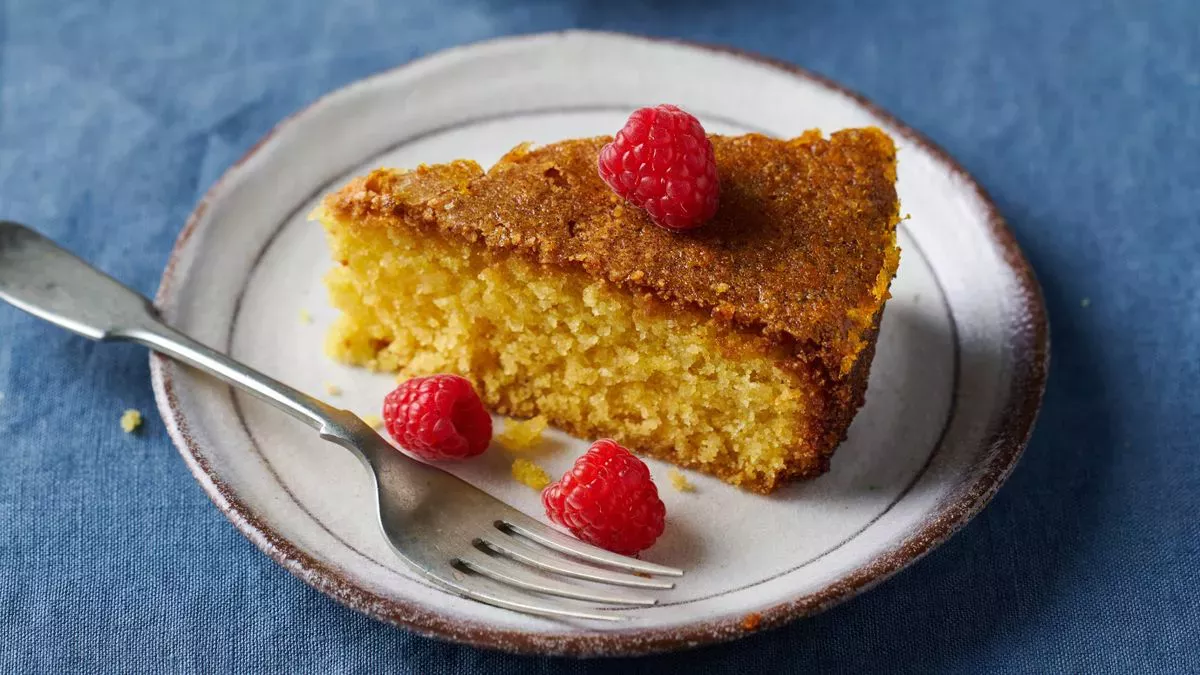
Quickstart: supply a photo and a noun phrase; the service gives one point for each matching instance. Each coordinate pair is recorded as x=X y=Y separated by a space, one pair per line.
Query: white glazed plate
x=954 y=389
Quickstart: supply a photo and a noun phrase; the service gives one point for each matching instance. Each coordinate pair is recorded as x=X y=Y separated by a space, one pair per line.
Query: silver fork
x=456 y=535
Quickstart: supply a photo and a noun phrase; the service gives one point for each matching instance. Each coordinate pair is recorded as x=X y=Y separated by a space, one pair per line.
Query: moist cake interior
x=451 y=269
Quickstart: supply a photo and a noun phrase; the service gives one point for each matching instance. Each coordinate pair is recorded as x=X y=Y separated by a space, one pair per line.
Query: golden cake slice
x=740 y=349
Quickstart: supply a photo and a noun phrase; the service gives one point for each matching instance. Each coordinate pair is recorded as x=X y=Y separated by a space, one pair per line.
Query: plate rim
x=1010 y=439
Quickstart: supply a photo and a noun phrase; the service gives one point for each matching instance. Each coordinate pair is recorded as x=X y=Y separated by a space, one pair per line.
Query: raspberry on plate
x=438 y=417
x=608 y=499
x=662 y=161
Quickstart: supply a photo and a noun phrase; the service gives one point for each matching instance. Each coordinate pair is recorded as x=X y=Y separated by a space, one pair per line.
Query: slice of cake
x=740 y=349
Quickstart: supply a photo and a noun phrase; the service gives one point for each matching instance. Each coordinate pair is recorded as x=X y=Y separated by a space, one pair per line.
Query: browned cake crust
x=794 y=251
x=800 y=252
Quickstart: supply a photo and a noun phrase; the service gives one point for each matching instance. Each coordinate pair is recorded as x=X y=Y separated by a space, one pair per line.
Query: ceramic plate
x=954 y=388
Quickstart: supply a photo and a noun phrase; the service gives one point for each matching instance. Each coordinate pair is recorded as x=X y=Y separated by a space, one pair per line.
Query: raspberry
x=438 y=417
x=662 y=161
x=608 y=499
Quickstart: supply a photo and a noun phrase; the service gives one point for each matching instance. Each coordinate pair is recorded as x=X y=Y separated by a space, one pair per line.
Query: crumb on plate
x=130 y=421
x=522 y=435
x=373 y=421
x=530 y=474
x=306 y=316
x=1085 y=302
x=679 y=481
x=332 y=389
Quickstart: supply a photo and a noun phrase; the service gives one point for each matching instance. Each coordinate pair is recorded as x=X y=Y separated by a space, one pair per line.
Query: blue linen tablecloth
x=1081 y=118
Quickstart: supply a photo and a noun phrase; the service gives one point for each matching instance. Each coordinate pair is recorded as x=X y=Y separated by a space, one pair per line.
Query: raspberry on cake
x=740 y=348
x=662 y=161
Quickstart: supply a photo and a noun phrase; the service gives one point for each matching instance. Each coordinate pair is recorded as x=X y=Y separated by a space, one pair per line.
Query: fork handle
x=166 y=340
x=42 y=278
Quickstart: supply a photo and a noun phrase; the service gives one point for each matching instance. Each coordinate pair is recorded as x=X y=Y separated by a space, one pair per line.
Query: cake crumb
x=751 y=621
x=1085 y=303
x=332 y=389
x=530 y=474
x=373 y=421
x=721 y=287
x=131 y=420
x=680 y=481
x=501 y=326
x=306 y=316
x=522 y=435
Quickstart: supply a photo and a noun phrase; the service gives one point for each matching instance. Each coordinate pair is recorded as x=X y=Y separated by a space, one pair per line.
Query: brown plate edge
x=1024 y=401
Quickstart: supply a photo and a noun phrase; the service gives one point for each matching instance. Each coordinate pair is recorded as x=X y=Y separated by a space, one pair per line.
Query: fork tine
x=530 y=528
x=515 y=574
x=489 y=592
x=539 y=557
